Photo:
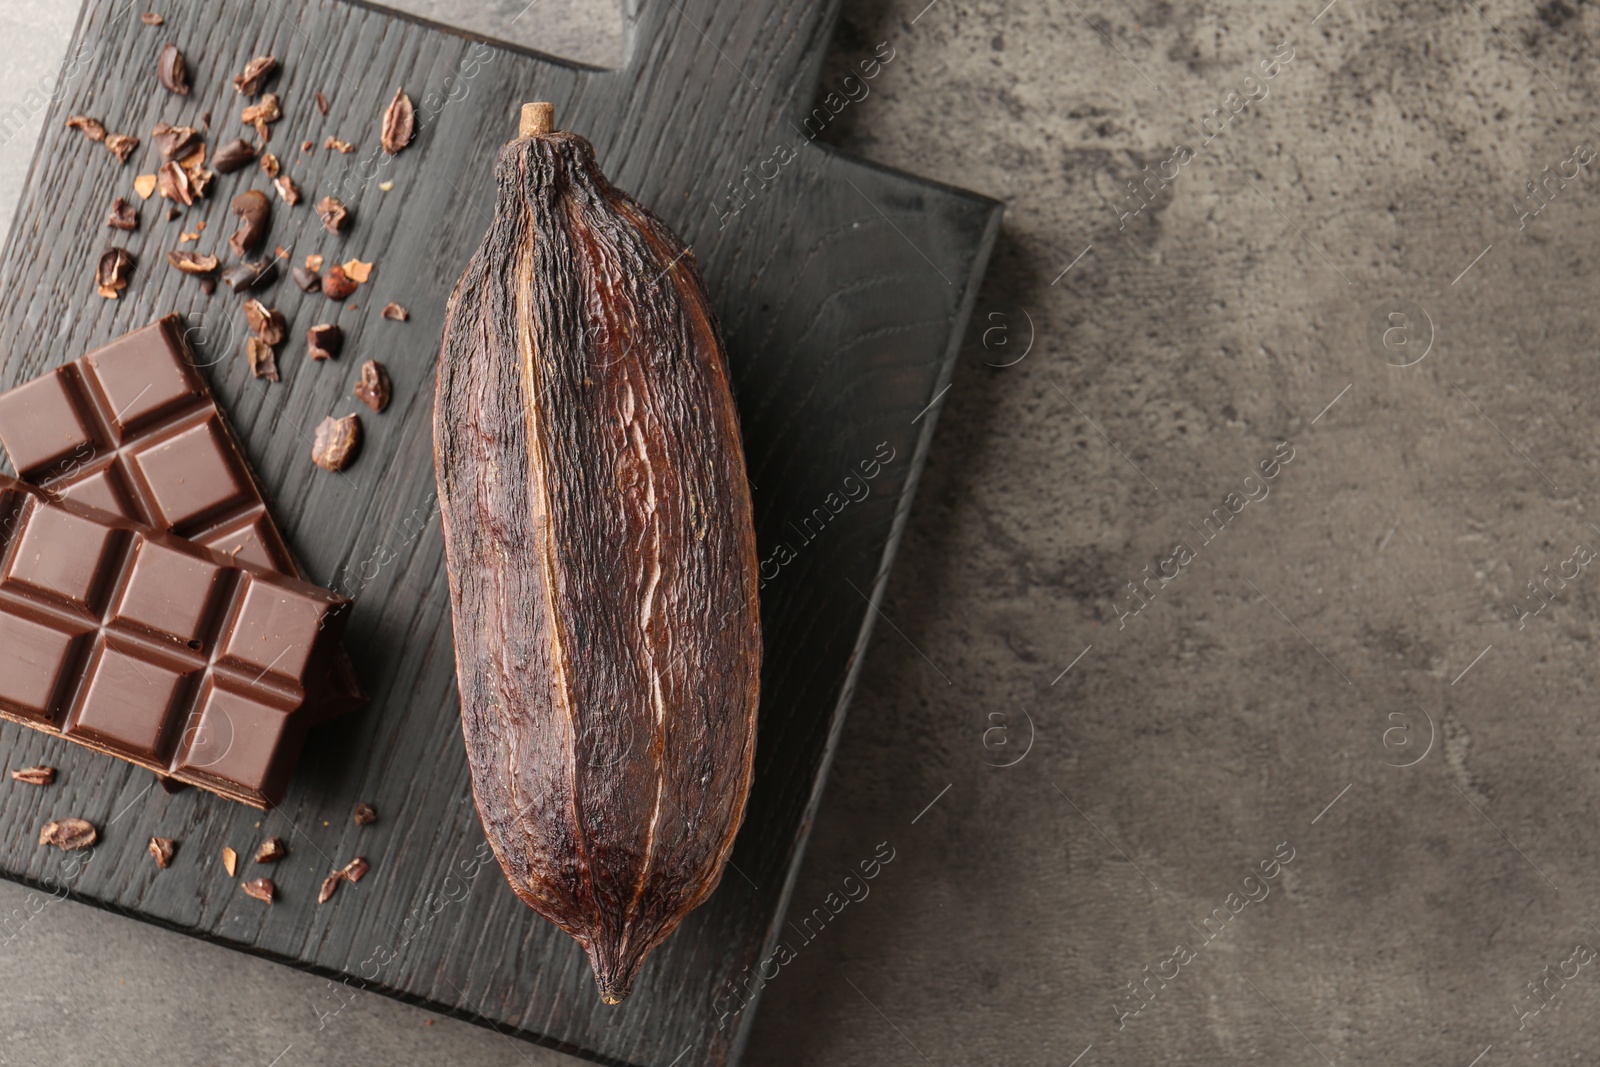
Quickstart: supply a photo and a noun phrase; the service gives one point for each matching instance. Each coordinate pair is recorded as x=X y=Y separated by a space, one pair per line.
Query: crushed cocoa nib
x=112 y=273
x=374 y=389
x=265 y=323
x=308 y=280
x=288 y=192
x=121 y=145
x=192 y=262
x=329 y=885
x=250 y=276
x=260 y=888
x=263 y=364
x=365 y=814
x=269 y=164
x=322 y=104
x=123 y=216
x=161 y=850
x=150 y=18
x=395 y=313
x=324 y=340
x=200 y=181
x=358 y=271
x=90 y=128
x=336 y=284
x=35 y=775
x=306 y=146
x=256 y=73
x=333 y=214
x=233 y=156
x=172 y=71
x=336 y=443
x=272 y=850
x=261 y=115
x=68 y=835
x=174 y=141
x=351 y=872
x=356 y=869
x=314 y=261
x=172 y=182
x=338 y=146
x=230 y=861
x=399 y=123
x=254 y=212
x=145 y=186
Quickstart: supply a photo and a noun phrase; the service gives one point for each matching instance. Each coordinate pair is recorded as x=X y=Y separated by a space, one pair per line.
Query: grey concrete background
x=1356 y=672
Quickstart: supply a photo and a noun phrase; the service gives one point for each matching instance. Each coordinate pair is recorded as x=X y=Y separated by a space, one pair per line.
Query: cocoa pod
x=601 y=556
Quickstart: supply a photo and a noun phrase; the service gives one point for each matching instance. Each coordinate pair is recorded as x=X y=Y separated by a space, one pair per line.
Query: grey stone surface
x=1365 y=608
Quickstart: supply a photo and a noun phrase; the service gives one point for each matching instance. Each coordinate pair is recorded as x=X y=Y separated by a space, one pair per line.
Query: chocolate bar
x=154 y=649
x=132 y=429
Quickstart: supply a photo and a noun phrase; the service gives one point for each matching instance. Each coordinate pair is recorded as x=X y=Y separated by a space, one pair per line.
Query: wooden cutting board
x=843 y=290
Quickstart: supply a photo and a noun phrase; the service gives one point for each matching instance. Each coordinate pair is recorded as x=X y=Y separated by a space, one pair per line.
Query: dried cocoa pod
x=601 y=556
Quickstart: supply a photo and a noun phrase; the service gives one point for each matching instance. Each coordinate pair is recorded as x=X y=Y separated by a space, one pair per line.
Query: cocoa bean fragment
x=35 y=775
x=68 y=835
x=230 y=861
x=336 y=442
x=322 y=104
x=333 y=213
x=270 y=164
x=287 y=190
x=338 y=146
x=261 y=889
x=172 y=182
x=263 y=364
x=309 y=281
x=365 y=814
x=374 y=389
x=121 y=145
x=150 y=18
x=113 y=271
x=174 y=142
x=90 y=128
x=123 y=216
x=254 y=212
x=272 y=850
x=395 y=312
x=356 y=869
x=161 y=850
x=171 y=71
x=399 y=123
x=265 y=323
x=323 y=341
x=192 y=262
x=255 y=75
x=234 y=155
x=330 y=885
x=336 y=284
x=250 y=276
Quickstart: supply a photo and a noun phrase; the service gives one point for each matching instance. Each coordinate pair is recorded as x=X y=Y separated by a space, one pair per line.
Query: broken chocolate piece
x=374 y=389
x=308 y=280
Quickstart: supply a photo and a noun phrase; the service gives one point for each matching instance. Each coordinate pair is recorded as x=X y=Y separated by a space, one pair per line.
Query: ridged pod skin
x=601 y=556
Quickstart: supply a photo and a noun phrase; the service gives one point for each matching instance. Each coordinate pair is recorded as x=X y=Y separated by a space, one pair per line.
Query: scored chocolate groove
x=133 y=429
x=148 y=647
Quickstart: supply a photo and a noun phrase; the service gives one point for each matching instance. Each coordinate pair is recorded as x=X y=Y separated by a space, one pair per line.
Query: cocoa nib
x=308 y=280
x=337 y=442
x=90 y=128
x=172 y=71
x=121 y=145
x=365 y=814
x=161 y=850
x=123 y=216
x=250 y=276
x=356 y=869
x=395 y=312
x=174 y=141
x=112 y=273
x=150 y=18
x=374 y=389
x=338 y=146
x=272 y=850
x=322 y=104
x=260 y=115
x=35 y=775
x=399 y=123
x=351 y=872
x=233 y=156
x=256 y=73
x=263 y=364
x=254 y=211
x=230 y=861
x=264 y=322
x=173 y=183
x=329 y=884
x=336 y=284
x=192 y=262
x=287 y=190
x=260 y=888
x=324 y=340
x=270 y=164
x=333 y=214
x=68 y=835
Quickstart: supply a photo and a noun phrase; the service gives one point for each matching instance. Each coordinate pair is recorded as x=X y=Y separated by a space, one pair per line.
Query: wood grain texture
x=842 y=289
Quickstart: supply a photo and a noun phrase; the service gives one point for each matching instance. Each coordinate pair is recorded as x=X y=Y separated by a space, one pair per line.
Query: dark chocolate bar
x=132 y=429
x=151 y=648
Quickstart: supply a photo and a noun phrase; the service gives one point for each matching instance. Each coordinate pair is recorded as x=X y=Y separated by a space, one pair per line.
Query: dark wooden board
x=843 y=290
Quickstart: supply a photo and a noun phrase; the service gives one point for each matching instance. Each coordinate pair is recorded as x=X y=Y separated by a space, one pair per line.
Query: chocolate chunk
x=112 y=273
x=234 y=155
x=68 y=835
x=254 y=212
x=336 y=284
x=161 y=850
x=265 y=323
x=172 y=71
x=260 y=888
x=324 y=340
x=336 y=443
x=256 y=73
x=374 y=389
x=399 y=123
x=263 y=364
x=333 y=214
x=123 y=216
x=90 y=128
x=309 y=281
x=272 y=850
x=365 y=814
x=395 y=312
x=35 y=775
